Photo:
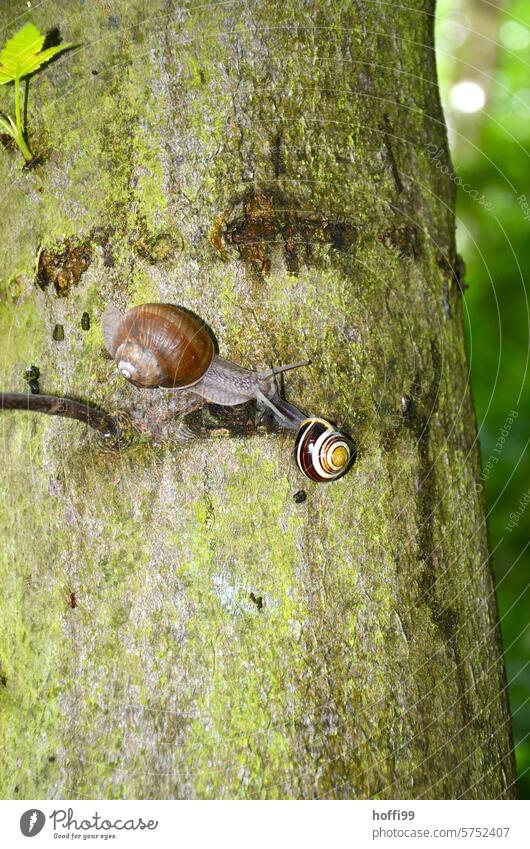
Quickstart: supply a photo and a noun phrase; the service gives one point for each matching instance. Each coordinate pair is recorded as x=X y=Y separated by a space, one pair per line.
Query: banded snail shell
x=322 y=452
x=158 y=345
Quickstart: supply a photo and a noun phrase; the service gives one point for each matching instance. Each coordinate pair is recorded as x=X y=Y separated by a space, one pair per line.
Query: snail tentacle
x=263 y=375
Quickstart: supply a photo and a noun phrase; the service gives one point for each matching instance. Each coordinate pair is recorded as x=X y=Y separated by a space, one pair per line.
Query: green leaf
x=8 y=125
x=23 y=54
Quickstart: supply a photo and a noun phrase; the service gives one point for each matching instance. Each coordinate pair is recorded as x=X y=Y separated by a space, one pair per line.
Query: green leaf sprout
x=22 y=56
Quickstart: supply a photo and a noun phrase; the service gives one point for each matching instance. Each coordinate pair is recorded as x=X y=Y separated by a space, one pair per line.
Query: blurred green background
x=483 y=50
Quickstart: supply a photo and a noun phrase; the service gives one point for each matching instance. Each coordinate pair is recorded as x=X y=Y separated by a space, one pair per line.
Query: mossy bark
x=173 y=622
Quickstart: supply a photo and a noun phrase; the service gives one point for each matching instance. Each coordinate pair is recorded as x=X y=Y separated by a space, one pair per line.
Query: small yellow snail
x=322 y=452
x=162 y=345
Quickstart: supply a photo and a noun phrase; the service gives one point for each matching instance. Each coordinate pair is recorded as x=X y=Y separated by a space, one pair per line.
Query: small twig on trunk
x=67 y=407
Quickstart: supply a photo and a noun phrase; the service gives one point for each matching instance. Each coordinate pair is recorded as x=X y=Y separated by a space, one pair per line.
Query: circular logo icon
x=32 y=822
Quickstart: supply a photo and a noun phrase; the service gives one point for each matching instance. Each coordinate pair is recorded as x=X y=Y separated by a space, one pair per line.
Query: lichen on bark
x=373 y=666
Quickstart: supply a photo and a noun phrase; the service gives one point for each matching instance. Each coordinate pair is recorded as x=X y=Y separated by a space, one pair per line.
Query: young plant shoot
x=22 y=56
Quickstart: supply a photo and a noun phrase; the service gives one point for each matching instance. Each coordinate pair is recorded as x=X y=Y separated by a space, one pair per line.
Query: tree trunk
x=174 y=623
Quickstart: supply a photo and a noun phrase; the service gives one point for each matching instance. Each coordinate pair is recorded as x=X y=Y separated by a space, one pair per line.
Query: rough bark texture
x=264 y=164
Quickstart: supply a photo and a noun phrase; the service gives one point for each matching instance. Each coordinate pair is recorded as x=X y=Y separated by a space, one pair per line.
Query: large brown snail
x=162 y=345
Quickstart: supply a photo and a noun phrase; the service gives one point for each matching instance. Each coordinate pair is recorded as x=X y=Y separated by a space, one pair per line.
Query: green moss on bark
x=372 y=668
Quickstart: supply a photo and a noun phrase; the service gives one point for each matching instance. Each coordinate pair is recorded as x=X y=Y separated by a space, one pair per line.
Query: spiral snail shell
x=322 y=452
x=158 y=345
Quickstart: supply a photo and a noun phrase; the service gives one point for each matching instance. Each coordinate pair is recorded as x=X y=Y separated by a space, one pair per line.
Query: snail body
x=163 y=345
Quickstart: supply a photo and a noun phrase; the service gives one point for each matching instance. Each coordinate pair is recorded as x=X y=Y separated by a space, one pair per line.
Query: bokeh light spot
x=468 y=97
x=454 y=29
x=514 y=36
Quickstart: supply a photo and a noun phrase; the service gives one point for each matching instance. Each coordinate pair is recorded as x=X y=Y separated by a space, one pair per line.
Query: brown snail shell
x=322 y=452
x=158 y=345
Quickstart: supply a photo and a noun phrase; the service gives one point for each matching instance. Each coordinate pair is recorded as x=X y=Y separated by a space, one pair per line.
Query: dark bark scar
x=263 y=220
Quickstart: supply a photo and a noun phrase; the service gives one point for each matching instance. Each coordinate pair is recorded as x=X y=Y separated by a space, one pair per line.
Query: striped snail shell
x=322 y=452
x=158 y=345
